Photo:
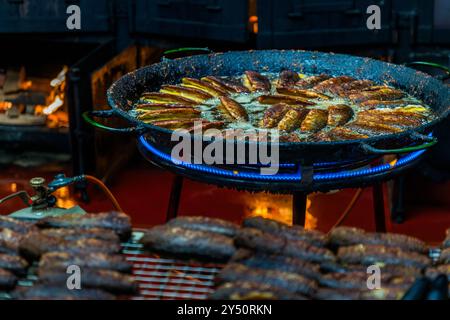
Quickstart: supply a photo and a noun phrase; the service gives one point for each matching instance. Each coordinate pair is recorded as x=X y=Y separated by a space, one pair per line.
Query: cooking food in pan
x=302 y=107
x=358 y=280
x=9 y=241
x=14 y=264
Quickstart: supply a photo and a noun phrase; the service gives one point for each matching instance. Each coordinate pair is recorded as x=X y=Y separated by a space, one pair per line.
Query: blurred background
x=50 y=75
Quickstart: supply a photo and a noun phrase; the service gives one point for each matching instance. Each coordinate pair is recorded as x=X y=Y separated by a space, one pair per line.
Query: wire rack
x=162 y=278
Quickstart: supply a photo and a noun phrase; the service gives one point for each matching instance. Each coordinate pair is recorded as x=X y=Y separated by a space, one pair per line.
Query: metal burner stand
x=296 y=179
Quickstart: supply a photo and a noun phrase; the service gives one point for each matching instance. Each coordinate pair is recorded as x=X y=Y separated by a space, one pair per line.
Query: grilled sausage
x=346 y=236
x=60 y=292
x=213 y=225
x=246 y=290
x=316 y=238
x=118 y=222
x=36 y=244
x=373 y=254
x=7 y=280
x=234 y=272
x=108 y=280
x=93 y=260
x=77 y=234
x=188 y=242
x=13 y=263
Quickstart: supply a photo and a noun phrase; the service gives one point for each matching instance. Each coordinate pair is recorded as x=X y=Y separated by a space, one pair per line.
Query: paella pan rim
x=114 y=95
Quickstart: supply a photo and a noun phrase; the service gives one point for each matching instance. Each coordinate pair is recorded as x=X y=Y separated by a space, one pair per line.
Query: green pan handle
x=185 y=49
x=431 y=64
x=429 y=142
x=89 y=115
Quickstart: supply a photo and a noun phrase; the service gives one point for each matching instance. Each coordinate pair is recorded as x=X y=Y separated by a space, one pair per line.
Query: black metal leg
x=397 y=207
x=378 y=207
x=174 y=200
x=299 y=208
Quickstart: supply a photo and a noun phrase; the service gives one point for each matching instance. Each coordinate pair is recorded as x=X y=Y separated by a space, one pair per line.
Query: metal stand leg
x=398 y=208
x=378 y=207
x=174 y=200
x=299 y=208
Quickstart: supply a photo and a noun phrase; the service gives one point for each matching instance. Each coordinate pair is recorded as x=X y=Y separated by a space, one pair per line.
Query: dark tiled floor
x=143 y=192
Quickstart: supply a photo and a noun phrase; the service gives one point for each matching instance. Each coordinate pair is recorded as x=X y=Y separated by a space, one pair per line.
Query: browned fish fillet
x=339 y=114
x=204 y=86
x=287 y=78
x=292 y=119
x=378 y=254
x=177 y=124
x=188 y=242
x=276 y=98
x=118 y=222
x=274 y=114
x=260 y=241
x=309 y=82
x=358 y=280
x=347 y=236
x=390 y=118
x=260 y=260
x=7 y=280
x=246 y=290
x=352 y=86
x=383 y=93
x=235 y=272
x=35 y=244
x=295 y=232
x=169 y=114
x=225 y=85
x=332 y=84
x=165 y=98
x=214 y=225
x=108 y=280
x=234 y=108
x=76 y=234
x=306 y=94
x=59 y=292
x=13 y=263
x=380 y=103
x=315 y=120
x=143 y=107
x=186 y=92
x=16 y=225
x=256 y=81
x=290 y=137
x=371 y=128
x=204 y=125
x=93 y=260
x=337 y=134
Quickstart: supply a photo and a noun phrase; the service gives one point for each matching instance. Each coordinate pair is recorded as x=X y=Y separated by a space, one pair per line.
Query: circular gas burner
x=291 y=176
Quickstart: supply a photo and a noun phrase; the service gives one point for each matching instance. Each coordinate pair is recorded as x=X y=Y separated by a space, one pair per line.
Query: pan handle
x=434 y=65
x=429 y=142
x=185 y=49
x=89 y=115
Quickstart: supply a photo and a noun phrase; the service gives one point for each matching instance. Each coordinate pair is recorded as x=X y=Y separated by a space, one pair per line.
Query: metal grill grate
x=161 y=278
